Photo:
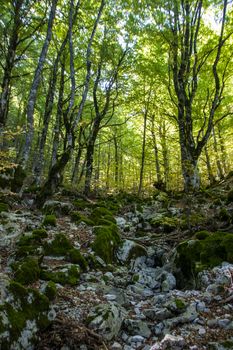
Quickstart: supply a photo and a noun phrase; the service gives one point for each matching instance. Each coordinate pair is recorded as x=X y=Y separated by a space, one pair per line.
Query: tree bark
x=9 y=63
x=34 y=87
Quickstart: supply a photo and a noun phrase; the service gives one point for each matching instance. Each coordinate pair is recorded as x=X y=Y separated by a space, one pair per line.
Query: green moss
x=28 y=304
x=27 y=271
x=195 y=255
x=78 y=217
x=39 y=233
x=166 y=223
x=50 y=220
x=227 y=244
x=188 y=252
x=101 y=212
x=180 y=304
x=106 y=241
x=202 y=235
x=50 y=290
x=75 y=257
x=17 y=181
x=81 y=204
x=223 y=215
x=228 y=344
x=230 y=196
x=3 y=207
x=60 y=245
x=135 y=278
x=71 y=276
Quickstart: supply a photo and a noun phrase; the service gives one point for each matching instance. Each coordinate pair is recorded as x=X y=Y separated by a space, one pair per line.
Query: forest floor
x=131 y=291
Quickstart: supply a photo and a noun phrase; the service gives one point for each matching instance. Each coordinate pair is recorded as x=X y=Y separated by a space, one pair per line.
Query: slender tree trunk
x=9 y=63
x=57 y=126
x=54 y=176
x=116 y=161
x=218 y=162
x=143 y=154
x=208 y=166
x=223 y=151
x=90 y=155
x=35 y=86
x=108 y=166
x=156 y=153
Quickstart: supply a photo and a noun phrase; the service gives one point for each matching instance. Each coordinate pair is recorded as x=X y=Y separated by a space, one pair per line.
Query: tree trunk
x=218 y=162
x=35 y=86
x=55 y=174
x=156 y=153
x=9 y=64
x=116 y=161
x=143 y=154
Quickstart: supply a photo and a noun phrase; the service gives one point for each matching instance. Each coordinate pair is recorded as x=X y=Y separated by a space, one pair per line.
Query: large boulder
x=106 y=319
x=24 y=312
x=130 y=250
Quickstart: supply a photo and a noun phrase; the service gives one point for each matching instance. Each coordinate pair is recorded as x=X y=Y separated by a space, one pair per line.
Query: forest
x=116 y=174
x=97 y=96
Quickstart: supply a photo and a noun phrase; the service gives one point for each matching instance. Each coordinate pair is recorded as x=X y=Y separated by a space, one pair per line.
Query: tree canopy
x=116 y=95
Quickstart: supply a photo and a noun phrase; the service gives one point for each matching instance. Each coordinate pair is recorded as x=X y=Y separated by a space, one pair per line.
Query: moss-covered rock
x=50 y=290
x=75 y=257
x=168 y=224
x=3 y=207
x=66 y=275
x=81 y=204
x=101 y=212
x=78 y=217
x=60 y=245
x=24 y=313
x=57 y=207
x=106 y=241
x=50 y=220
x=26 y=271
x=208 y=250
x=39 y=233
x=18 y=179
x=202 y=235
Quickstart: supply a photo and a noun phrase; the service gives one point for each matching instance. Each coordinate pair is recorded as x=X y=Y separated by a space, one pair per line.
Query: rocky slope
x=118 y=273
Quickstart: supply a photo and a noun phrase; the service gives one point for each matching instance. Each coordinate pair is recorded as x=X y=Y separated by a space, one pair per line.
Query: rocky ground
x=140 y=288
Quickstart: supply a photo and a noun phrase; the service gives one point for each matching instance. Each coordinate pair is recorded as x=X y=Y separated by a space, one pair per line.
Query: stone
x=172 y=342
x=169 y=282
x=130 y=250
x=116 y=346
x=137 y=327
x=157 y=314
x=121 y=222
x=106 y=319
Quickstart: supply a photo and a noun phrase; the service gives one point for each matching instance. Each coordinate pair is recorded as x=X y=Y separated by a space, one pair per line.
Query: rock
x=157 y=314
x=116 y=346
x=170 y=342
x=121 y=222
x=23 y=313
x=137 y=327
x=169 y=282
x=137 y=339
x=106 y=319
x=56 y=207
x=130 y=250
